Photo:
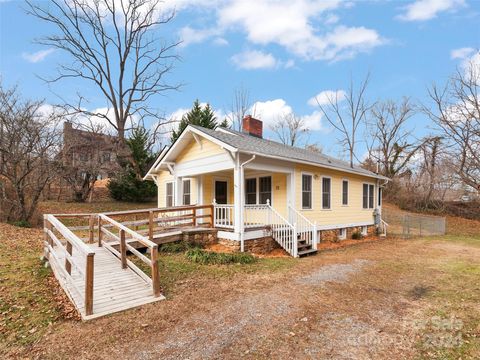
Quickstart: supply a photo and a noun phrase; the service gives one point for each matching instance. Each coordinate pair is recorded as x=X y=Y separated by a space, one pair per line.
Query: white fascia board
x=188 y=129
x=212 y=139
x=317 y=165
x=153 y=167
x=341 y=226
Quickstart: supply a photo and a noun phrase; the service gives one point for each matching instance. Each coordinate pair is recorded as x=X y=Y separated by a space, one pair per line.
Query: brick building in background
x=89 y=151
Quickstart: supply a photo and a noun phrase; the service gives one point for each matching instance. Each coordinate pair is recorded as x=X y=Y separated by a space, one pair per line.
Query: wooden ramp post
x=89 y=285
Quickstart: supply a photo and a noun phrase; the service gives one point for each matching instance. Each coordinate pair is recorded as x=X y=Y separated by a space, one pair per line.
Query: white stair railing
x=283 y=231
x=306 y=230
x=384 y=227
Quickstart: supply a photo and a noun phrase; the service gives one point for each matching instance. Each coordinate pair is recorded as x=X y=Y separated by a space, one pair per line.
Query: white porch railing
x=223 y=216
x=262 y=215
x=306 y=230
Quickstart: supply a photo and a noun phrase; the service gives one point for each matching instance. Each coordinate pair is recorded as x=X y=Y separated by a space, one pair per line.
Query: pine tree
x=126 y=185
x=204 y=117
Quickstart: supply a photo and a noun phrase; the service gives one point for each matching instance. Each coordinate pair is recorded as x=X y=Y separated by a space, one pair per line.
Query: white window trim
x=220 y=178
x=374 y=197
x=166 y=193
x=331 y=186
x=342 y=234
x=257 y=188
x=348 y=193
x=183 y=191
x=311 y=191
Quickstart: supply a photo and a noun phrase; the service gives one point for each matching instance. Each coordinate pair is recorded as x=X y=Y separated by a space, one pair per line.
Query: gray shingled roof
x=253 y=145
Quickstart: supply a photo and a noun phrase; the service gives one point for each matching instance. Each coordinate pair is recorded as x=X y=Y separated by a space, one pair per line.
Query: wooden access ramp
x=114 y=289
x=98 y=279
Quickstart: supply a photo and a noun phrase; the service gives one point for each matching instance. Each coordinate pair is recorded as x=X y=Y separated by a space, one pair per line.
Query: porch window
x=379 y=196
x=368 y=193
x=326 y=192
x=186 y=192
x=265 y=189
x=251 y=191
x=306 y=191
x=345 y=192
x=169 y=194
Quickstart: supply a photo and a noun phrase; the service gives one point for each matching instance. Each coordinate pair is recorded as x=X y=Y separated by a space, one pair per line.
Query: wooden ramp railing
x=56 y=250
x=124 y=246
x=115 y=282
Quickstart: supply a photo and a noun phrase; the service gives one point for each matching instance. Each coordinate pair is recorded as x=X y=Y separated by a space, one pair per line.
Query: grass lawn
x=423 y=293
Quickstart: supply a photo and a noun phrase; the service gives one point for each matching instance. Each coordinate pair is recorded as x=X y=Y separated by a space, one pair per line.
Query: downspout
x=242 y=227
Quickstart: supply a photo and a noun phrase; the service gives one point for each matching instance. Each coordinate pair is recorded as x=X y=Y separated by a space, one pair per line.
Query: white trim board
x=339 y=226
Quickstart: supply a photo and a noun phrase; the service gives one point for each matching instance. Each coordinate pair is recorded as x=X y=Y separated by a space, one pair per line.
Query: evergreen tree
x=127 y=184
x=204 y=117
x=225 y=124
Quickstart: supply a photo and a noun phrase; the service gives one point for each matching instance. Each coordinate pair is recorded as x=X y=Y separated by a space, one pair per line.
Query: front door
x=221 y=188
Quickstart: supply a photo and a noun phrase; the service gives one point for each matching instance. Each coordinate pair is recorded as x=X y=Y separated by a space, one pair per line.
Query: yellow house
x=261 y=188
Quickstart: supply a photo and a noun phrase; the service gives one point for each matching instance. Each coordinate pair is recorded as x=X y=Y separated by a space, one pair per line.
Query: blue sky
x=283 y=52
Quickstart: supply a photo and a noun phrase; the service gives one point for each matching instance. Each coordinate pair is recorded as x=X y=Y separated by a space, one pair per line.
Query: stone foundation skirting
x=333 y=235
x=261 y=245
x=200 y=237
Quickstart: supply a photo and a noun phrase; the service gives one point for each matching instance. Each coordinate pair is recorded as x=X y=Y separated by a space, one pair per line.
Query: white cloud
x=326 y=96
x=219 y=41
x=422 y=10
x=461 y=53
x=37 y=56
x=313 y=121
x=290 y=24
x=272 y=110
x=294 y=25
x=254 y=59
x=194 y=36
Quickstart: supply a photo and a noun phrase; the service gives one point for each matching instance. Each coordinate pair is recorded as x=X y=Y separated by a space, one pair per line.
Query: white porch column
x=199 y=189
x=237 y=196
x=177 y=190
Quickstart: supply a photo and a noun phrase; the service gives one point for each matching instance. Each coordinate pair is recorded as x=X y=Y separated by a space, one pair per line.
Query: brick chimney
x=252 y=126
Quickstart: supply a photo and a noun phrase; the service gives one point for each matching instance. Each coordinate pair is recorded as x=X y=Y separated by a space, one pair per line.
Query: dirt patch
x=333 y=273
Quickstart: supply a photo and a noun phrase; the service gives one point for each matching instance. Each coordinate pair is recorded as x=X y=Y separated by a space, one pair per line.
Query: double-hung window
x=258 y=194
x=326 y=192
x=265 y=185
x=368 y=196
x=306 y=191
x=345 y=192
x=186 y=192
x=251 y=191
x=169 y=194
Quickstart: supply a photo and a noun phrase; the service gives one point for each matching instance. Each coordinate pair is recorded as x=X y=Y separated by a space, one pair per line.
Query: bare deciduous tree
x=29 y=140
x=456 y=111
x=114 y=47
x=290 y=129
x=239 y=107
x=346 y=114
x=391 y=143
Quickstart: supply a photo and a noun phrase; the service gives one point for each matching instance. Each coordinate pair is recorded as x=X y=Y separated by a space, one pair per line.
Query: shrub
x=174 y=247
x=203 y=257
x=357 y=235
x=22 y=223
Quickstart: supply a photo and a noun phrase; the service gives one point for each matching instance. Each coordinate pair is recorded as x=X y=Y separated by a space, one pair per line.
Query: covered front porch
x=251 y=199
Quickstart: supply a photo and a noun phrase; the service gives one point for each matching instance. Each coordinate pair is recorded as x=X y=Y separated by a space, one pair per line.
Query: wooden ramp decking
x=114 y=289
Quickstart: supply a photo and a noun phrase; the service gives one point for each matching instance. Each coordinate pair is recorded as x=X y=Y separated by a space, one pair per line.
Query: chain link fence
x=409 y=224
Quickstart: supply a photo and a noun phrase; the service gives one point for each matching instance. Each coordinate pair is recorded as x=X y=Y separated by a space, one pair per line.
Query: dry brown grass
x=266 y=310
